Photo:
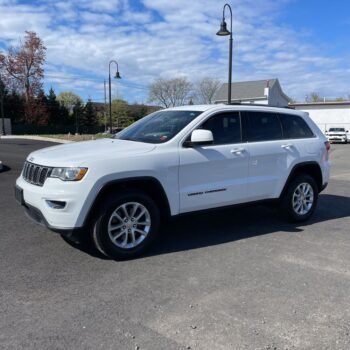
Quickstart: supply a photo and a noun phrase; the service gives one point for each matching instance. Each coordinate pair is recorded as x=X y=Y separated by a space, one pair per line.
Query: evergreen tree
x=77 y=115
x=14 y=107
x=89 y=115
x=65 y=117
x=41 y=109
x=53 y=108
x=137 y=113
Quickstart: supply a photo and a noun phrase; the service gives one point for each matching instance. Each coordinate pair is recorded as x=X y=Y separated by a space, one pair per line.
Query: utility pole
x=2 y=93
x=76 y=122
x=105 y=110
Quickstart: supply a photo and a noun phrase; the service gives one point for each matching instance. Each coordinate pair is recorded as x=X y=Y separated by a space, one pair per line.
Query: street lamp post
x=223 y=32
x=117 y=76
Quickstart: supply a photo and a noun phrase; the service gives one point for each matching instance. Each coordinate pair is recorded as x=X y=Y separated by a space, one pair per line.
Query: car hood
x=80 y=153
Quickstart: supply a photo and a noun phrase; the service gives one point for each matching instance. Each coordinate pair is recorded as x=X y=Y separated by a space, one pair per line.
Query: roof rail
x=256 y=104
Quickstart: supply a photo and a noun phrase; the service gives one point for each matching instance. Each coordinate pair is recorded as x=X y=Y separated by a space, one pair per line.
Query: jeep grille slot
x=35 y=174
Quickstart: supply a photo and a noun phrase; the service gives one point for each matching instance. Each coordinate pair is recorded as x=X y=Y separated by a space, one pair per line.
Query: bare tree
x=206 y=89
x=313 y=97
x=170 y=92
x=23 y=65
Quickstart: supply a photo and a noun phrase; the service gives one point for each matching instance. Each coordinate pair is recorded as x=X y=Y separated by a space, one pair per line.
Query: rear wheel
x=126 y=225
x=300 y=199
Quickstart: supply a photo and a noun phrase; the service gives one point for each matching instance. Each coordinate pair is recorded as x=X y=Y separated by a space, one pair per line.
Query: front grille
x=35 y=174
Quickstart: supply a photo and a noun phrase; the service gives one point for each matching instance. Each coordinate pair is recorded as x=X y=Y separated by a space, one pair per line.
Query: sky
x=303 y=43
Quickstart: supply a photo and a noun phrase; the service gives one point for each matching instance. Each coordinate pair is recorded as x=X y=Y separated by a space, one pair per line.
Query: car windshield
x=158 y=127
x=336 y=129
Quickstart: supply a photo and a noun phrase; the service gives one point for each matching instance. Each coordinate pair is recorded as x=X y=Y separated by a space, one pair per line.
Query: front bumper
x=36 y=215
x=36 y=201
x=337 y=138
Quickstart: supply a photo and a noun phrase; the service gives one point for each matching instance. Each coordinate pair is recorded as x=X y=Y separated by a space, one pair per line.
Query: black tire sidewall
x=287 y=206
x=100 y=231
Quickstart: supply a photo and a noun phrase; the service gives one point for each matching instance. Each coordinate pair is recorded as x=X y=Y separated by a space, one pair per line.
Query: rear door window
x=294 y=127
x=261 y=126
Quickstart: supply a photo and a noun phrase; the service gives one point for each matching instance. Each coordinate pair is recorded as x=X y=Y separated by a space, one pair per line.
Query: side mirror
x=200 y=137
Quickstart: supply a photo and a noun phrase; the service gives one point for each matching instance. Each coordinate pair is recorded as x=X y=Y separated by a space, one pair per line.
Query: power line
x=126 y=84
x=71 y=78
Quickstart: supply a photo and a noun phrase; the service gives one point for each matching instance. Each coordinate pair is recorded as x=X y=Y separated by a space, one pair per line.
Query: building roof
x=245 y=90
x=319 y=104
x=198 y=108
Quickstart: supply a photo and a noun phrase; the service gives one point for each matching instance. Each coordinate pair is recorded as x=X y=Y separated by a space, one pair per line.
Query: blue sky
x=303 y=43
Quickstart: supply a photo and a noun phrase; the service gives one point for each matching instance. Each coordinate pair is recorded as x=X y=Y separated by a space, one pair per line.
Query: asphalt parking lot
x=234 y=279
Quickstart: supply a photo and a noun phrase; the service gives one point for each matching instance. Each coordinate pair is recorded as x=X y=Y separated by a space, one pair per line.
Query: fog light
x=56 y=204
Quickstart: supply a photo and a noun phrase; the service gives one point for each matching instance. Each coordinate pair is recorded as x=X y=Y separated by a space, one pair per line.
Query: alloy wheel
x=129 y=225
x=303 y=198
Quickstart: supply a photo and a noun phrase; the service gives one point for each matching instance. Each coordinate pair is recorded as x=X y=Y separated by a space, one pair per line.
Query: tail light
x=328 y=146
x=325 y=155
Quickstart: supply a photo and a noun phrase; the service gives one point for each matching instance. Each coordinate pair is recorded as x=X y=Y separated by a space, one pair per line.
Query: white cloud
x=169 y=39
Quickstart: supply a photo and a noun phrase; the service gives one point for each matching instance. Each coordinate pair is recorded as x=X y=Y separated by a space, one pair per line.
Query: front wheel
x=300 y=199
x=126 y=225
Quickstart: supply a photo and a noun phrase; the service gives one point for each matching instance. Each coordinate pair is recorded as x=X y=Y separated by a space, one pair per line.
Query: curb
x=38 y=138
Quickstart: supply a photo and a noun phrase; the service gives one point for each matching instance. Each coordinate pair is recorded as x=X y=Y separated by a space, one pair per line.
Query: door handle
x=287 y=146
x=237 y=150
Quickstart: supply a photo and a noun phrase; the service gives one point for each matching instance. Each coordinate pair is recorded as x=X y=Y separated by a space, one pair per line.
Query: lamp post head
x=117 y=75
x=223 y=29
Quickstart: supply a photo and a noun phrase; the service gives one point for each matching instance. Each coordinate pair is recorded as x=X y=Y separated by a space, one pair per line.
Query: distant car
x=337 y=135
x=114 y=131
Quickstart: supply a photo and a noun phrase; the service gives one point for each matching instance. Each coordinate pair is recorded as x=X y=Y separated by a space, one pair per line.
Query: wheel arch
x=309 y=168
x=147 y=184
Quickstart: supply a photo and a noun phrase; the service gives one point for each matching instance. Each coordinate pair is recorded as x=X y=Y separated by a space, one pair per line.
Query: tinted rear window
x=294 y=127
x=262 y=126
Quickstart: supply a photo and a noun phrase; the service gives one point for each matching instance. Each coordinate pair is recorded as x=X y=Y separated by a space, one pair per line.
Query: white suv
x=172 y=162
x=337 y=135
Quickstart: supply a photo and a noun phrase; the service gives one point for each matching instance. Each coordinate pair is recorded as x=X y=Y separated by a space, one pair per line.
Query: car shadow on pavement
x=5 y=168
x=228 y=225
x=200 y=230
x=85 y=245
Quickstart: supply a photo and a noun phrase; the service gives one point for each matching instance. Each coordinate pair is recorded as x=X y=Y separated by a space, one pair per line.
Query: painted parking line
x=345 y=176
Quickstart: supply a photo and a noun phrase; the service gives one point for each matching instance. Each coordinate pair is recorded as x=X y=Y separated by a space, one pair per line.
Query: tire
x=127 y=223
x=300 y=198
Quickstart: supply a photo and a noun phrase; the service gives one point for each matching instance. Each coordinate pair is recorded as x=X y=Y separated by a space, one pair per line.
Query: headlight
x=69 y=174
